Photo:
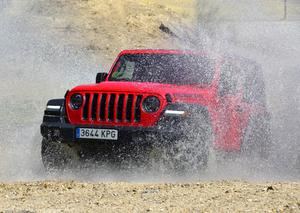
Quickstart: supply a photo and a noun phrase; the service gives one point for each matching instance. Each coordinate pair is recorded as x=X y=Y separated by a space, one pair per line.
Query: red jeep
x=182 y=102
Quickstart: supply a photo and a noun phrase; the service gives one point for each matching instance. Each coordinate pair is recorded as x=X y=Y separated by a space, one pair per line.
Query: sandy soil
x=129 y=197
x=106 y=27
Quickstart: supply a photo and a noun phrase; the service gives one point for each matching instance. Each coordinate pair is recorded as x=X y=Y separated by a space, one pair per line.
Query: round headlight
x=76 y=101
x=151 y=104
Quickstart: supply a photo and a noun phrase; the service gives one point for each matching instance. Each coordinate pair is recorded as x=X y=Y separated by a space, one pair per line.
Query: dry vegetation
x=106 y=27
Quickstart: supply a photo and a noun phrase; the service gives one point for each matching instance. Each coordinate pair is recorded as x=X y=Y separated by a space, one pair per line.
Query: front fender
x=55 y=111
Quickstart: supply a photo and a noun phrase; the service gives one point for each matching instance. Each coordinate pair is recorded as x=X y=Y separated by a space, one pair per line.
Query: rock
x=167 y=30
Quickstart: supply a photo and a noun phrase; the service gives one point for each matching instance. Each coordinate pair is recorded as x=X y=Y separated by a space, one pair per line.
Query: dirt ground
x=103 y=28
x=131 y=197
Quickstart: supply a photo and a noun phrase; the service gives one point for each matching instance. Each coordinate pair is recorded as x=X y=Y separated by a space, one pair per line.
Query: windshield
x=177 y=69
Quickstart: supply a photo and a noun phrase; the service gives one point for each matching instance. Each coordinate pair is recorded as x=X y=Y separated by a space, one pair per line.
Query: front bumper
x=66 y=133
x=175 y=124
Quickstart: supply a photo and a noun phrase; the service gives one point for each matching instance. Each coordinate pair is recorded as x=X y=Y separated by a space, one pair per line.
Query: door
x=231 y=109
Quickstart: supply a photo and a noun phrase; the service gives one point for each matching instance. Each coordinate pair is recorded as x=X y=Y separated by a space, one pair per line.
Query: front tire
x=58 y=156
x=257 y=139
x=191 y=153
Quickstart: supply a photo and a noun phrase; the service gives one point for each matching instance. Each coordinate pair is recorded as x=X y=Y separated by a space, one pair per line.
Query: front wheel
x=58 y=156
x=257 y=139
x=191 y=153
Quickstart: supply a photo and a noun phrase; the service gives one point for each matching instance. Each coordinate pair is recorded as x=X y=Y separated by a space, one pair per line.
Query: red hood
x=179 y=93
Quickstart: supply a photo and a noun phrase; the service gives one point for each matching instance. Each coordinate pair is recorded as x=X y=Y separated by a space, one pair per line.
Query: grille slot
x=85 y=113
x=129 y=108
x=120 y=107
x=112 y=107
x=137 y=109
x=94 y=106
x=102 y=107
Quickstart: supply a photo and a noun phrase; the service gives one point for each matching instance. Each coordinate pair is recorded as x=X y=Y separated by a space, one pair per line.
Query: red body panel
x=187 y=95
x=229 y=115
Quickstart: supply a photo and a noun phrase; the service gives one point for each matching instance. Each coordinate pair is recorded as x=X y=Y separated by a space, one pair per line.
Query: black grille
x=102 y=106
x=120 y=107
x=94 y=106
x=137 y=109
x=129 y=107
x=112 y=107
x=86 y=107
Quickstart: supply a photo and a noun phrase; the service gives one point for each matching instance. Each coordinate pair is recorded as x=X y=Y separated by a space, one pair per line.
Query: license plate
x=104 y=134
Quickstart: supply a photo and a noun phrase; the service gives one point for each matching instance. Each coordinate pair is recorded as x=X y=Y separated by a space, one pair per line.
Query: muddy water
x=33 y=68
x=276 y=46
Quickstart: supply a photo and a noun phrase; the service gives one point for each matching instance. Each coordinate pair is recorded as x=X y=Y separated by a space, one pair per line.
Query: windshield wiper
x=121 y=79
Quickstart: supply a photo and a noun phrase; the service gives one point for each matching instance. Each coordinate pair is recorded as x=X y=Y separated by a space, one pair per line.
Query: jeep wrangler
x=180 y=104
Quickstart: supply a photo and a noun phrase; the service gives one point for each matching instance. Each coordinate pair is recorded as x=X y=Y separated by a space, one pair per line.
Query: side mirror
x=101 y=76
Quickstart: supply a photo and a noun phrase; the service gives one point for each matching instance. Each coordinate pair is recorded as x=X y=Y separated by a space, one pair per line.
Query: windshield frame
x=200 y=54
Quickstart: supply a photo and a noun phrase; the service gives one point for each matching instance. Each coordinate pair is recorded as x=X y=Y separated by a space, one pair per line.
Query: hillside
x=106 y=27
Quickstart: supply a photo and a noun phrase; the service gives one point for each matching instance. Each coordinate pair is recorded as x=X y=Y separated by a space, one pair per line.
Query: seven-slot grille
x=112 y=107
